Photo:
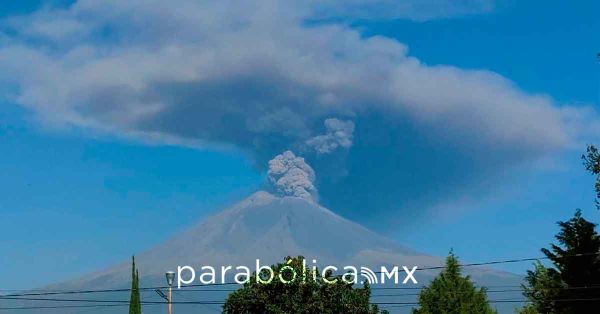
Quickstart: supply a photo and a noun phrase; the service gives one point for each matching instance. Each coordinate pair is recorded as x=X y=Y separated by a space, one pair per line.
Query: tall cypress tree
x=138 y=308
x=135 y=306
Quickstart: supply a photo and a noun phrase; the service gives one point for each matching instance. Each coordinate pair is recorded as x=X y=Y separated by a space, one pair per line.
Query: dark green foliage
x=452 y=293
x=527 y=309
x=542 y=288
x=300 y=296
x=591 y=161
x=572 y=284
x=135 y=306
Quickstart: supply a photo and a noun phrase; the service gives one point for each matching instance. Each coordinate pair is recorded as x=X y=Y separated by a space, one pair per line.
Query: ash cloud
x=338 y=135
x=260 y=79
x=290 y=175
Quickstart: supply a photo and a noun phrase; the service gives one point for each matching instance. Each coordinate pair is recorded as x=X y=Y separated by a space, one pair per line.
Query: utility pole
x=170 y=300
x=170 y=278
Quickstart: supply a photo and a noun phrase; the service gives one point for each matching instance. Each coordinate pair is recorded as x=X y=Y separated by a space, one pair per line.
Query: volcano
x=269 y=228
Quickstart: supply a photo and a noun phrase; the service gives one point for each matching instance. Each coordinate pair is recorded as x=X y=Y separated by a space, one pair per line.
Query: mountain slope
x=269 y=228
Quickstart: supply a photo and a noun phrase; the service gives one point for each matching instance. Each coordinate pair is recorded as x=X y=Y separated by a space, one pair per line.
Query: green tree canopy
x=452 y=293
x=542 y=289
x=591 y=161
x=300 y=296
x=572 y=284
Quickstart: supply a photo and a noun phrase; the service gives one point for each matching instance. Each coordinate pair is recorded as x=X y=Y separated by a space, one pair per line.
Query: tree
x=527 y=309
x=577 y=262
x=572 y=284
x=542 y=289
x=306 y=294
x=135 y=306
x=591 y=161
x=452 y=293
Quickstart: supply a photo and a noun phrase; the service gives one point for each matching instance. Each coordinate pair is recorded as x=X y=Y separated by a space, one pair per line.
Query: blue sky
x=72 y=192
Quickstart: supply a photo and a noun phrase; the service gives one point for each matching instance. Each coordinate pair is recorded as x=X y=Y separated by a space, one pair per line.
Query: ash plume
x=338 y=135
x=292 y=176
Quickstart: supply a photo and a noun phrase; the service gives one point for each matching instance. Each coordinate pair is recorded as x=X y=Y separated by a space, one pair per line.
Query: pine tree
x=542 y=290
x=135 y=306
x=571 y=285
x=452 y=293
x=577 y=262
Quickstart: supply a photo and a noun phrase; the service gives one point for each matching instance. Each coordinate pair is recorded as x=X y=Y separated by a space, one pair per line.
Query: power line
x=62 y=292
x=499 y=301
x=489 y=291
x=386 y=304
x=189 y=299
x=108 y=291
x=59 y=307
x=71 y=306
x=49 y=291
x=486 y=287
x=221 y=302
x=416 y=294
x=231 y=290
x=518 y=260
x=109 y=301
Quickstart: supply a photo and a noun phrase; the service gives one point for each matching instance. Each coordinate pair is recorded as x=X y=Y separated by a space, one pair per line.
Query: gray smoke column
x=338 y=135
x=292 y=176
